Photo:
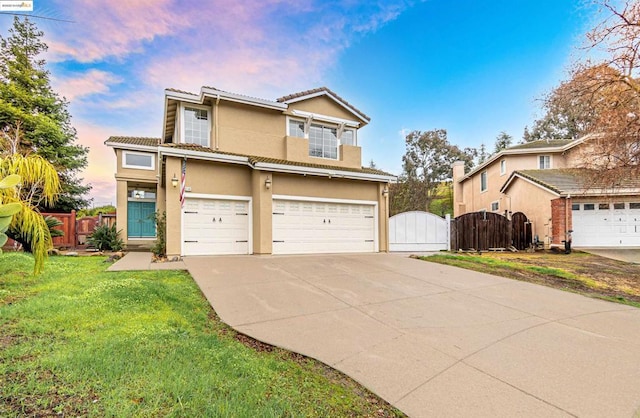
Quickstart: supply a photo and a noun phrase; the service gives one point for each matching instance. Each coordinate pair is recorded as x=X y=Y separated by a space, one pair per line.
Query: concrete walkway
x=436 y=340
x=142 y=261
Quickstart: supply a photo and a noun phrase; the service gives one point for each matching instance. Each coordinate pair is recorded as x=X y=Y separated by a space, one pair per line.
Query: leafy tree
x=39 y=185
x=503 y=141
x=31 y=111
x=482 y=154
x=442 y=203
x=602 y=96
x=7 y=210
x=95 y=211
x=426 y=164
x=372 y=164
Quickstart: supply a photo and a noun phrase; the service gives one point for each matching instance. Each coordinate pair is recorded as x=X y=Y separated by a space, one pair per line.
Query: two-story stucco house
x=241 y=175
x=543 y=180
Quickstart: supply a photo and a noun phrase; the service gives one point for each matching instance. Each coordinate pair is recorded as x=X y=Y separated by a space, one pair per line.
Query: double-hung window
x=544 y=162
x=196 y=126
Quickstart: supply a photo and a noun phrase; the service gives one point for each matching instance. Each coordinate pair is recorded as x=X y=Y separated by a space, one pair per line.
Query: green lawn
x=81 y=341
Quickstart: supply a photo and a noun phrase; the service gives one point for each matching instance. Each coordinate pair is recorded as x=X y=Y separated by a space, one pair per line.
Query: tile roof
x=180 y=91
x=323 y=89
x=134 y=140
x=542 y=144
x=576 y=180
x=256 y=159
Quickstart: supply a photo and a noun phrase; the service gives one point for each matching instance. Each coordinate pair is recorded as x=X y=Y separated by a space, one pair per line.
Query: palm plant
x=40 y=184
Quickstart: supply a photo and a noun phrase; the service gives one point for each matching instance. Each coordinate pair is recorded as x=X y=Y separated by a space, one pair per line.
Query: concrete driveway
x=435 y=340
x=629 y=255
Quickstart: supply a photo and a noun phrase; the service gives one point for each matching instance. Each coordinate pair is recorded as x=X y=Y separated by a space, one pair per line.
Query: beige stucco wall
x=250 y=130
x=322 y=105
x=533 y=201
x=134 y=174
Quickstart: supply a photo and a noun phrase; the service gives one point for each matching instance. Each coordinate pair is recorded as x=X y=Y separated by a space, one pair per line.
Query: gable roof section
x=273 y=164
x=534 y=147
x=324 y=91
x=133 y=142
x=572 y=181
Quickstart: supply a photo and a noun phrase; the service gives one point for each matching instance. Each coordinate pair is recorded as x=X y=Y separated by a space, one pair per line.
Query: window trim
x=138 y=167
x=503 y=167
x=183 y=107
x=486 y=181
x=550 y=161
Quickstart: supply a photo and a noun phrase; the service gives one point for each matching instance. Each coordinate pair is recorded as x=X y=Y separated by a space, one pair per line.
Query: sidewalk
x=143 y=261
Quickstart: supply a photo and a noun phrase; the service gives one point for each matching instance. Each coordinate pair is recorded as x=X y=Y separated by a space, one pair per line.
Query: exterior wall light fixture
x=174 y=181
x=267 y=183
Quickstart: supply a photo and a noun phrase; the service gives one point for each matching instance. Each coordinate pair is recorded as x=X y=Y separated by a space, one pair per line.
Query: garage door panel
x=302 y=227
x=605 y=225
x=215 y=227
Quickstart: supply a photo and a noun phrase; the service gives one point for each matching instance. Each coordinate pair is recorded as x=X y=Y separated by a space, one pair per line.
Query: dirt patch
x=580 y=272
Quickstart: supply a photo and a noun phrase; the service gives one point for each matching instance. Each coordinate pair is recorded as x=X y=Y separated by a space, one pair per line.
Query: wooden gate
x=480 y=231
x=483 y=231
x=521 y=235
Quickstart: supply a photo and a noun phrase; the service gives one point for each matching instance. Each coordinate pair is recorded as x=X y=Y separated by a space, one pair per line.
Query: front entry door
x=140 y=219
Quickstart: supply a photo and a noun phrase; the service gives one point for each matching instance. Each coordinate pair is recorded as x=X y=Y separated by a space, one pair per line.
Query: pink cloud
x=101 y=166
x=86 y=84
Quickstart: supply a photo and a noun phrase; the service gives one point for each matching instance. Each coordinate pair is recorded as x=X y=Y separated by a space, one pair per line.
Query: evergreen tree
x=503 y=141
x=28 y=104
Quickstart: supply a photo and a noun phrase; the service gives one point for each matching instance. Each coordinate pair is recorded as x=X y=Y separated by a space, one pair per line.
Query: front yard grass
x=79 y=341
x=579 y=272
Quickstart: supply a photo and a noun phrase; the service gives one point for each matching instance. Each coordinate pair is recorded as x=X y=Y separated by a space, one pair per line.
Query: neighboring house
x=542 y=180
x=260 y=177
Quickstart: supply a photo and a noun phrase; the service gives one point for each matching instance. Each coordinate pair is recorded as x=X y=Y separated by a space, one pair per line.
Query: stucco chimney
x=458 y=197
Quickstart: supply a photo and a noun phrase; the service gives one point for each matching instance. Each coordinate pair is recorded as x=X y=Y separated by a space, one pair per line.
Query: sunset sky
x=474 y=68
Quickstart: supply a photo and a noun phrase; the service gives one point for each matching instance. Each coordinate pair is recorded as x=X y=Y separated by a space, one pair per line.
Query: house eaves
x=324 y=91
x=562 y=146
x=133 y=143
x=275 y=165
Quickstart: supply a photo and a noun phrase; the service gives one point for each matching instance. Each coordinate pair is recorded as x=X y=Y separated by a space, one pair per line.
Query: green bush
x=159 y=248
x=106 y=237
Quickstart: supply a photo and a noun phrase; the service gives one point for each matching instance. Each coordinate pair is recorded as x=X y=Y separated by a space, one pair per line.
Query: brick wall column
x=561 y=220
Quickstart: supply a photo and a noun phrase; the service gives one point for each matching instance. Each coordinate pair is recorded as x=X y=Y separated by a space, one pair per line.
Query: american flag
x=183 y=181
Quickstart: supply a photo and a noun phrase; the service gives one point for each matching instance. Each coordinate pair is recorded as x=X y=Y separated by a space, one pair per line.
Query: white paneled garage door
x=215 y=226
x=306 y=227
x=606 y=224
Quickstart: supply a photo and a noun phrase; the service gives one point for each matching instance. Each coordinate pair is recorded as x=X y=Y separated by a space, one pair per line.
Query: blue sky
x=474 y=68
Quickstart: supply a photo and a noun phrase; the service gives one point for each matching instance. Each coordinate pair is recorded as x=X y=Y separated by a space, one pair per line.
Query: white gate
x=419 y=231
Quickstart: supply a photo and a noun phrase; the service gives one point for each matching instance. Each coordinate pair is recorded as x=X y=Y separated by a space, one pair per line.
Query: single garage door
x=606 y=224
x=215 y=226
x=306 y=227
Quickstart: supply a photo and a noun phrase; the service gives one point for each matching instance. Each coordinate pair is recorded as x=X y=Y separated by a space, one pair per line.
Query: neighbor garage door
x=304 y=227
x=215 y=226
x=606 y=224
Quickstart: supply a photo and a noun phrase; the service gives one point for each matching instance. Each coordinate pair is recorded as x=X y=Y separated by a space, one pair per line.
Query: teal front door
x=140 y=219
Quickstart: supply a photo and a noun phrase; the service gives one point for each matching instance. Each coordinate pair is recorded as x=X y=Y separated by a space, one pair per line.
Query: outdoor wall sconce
x=267 y=183
x=174 y=181
x=385 y=191
x=137 y=195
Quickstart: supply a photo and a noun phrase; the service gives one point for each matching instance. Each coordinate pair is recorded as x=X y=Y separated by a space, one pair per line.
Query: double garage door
x=220 y=226
x=606 y=224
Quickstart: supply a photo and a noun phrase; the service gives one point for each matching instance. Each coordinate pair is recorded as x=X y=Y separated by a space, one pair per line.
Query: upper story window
x=503 y=167
x=323 y=140
x=139 y=160
x=544 y=162
x=196 y=123
x=483 y=181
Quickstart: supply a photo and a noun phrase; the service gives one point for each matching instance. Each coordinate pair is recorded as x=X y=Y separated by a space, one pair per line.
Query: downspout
x=215 y=122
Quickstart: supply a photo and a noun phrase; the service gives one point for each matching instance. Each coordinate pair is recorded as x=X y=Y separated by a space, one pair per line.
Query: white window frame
x=138 y=167
x=497 y=203
x=486 y=181
x=544 y=156
x=183 y=136
x=503 y=167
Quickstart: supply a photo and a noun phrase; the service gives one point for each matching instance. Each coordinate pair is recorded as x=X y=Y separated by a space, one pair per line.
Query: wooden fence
x=483 y=231
x=75 y=231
